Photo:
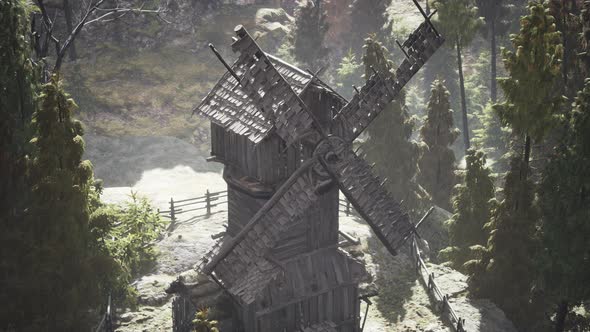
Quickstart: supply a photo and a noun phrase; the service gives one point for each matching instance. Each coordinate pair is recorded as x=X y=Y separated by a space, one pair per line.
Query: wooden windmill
x=285 y=139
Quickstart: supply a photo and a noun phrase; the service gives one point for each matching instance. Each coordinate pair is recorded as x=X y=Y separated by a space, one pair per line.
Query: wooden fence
x=183 y=313
x=441 y=300
x=106 y=323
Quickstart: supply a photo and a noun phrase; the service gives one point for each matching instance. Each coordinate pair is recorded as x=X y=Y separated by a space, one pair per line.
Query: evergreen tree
x=58 y=217
x=472 y=207
x=348 y=74
x=308 y=34
x=459 y=22
x=389 y=144
x=495 y=13
x=564 y=200
x=493 y=139
x=568 y=22
x=367 y=18
x=437 y=162
x=505 y=272
x=534 y=68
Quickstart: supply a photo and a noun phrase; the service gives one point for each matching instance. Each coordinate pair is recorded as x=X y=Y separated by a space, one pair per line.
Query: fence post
x=347 y=208
x=172 y=213
x=208 y=200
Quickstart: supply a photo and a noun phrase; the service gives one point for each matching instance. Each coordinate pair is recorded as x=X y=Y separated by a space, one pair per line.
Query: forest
x=98 y=131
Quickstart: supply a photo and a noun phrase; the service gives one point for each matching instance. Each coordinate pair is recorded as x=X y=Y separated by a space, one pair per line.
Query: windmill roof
x=229 y=106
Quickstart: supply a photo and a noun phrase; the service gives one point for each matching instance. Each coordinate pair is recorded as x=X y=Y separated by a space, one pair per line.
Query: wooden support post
x=172 y=213
x=208 y=200
x=347 y=208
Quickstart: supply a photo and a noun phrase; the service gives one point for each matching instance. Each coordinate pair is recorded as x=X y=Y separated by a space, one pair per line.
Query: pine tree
x=348 y=74
x=472 y=207
x=495 y=13
x=62 y=281
x=505 y=272
x=308 y=34
x=493 y=139
x=564 y=199
x=532 y=98
x=367 y=18
x=437 y=162
x=389 y=144
x=459 y=22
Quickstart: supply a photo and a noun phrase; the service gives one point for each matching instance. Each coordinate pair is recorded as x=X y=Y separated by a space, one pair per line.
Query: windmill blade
x=380 y=90
x=267 y=87
x=245 y=251
x=366 y=193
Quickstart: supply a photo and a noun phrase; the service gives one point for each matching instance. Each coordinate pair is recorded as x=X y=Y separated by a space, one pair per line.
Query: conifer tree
x=459 y=22
x=505 y=272
x=564 y=201
x=389 y=144
x=493 y=139
x=472 y=208
x=62 y=284
x=367 y=18
x=495 y=13
x=534 y=68
x=437 y=162
x=349 y=73
x=308 y=34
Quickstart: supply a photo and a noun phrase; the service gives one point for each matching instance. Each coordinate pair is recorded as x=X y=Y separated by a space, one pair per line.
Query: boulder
x=272 y=27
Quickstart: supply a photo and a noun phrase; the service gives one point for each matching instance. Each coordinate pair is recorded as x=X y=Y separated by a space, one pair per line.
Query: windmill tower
x=285 y=140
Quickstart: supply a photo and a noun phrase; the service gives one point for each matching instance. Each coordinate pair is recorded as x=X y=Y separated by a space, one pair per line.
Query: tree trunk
x=560 y=316
x=70 y=26
x=463 y=99
x=493 y=52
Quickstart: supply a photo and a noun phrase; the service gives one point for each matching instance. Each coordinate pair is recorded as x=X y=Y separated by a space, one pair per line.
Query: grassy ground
x=123 y=90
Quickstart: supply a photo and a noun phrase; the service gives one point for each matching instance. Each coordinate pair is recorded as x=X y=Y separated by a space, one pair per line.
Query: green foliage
x=437 y=163
x=458 y=20
x=367 y=18
x=493 y=139
x=348 y=74
x=201 y=323
x=308 y=34
x=530 y=91
x=131 y=238
x=389 y=144
x=472 y=207
x=564 y=201
x=505 y=272
x=61 y=267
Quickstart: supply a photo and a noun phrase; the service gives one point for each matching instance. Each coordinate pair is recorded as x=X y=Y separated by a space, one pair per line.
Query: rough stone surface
x=272 y=27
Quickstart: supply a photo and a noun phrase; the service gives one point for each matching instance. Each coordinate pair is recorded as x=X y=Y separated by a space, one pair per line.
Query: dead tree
x=95 y=12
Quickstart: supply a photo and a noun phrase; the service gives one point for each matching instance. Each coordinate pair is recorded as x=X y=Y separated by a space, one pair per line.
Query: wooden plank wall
x=340 y=305
x=241 y=207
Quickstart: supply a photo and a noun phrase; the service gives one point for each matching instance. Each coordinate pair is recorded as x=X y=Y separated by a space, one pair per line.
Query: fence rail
x=441 y=300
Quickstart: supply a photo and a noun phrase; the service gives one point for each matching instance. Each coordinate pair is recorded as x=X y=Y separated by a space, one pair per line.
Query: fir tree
x=389 y=144
x=459 y=22
x=505 y=272
x=495 y=13
x=308 y=34
x=472 y=208
x=367 y=18
x=534 y=68
x=493 y=139
x=437 y=162
x=62 y=283
x=564 y=198
x=348 y=74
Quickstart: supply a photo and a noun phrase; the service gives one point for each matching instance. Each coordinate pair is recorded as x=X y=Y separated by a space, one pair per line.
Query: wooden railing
x=441 y=300
x=106 y=323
